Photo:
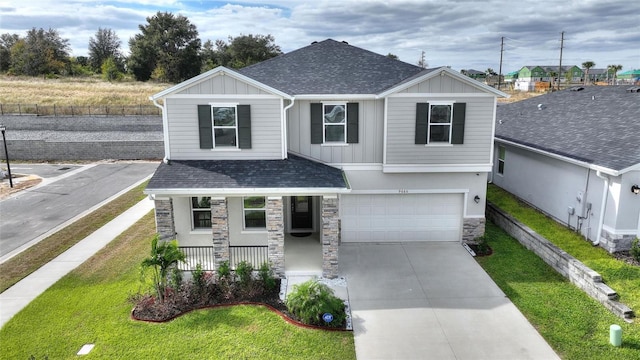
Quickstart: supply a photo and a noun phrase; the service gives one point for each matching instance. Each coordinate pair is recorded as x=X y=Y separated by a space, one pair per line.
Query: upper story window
x=255 y=216
x=501 y=157
x=440 y=123
x=334 y=123
x=201 y=212
x=224 y=126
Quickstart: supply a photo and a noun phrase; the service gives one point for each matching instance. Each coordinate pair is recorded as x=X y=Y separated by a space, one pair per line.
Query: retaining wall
x=42 y=138
x=571 y=268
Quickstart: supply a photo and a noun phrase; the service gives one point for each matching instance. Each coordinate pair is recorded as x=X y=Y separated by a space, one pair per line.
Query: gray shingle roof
x=599 y=125
x=331 y=67
x=294 y=172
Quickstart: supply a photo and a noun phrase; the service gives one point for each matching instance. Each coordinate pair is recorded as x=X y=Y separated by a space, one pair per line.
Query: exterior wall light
x=635 y=189
x=477 y=199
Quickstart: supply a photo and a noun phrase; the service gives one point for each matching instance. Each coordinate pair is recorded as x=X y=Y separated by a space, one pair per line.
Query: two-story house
x=329 y=143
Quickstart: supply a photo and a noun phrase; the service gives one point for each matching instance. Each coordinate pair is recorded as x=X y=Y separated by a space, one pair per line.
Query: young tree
x=587 y=65
x=6 y=43
x=613 y=70
x=110 y=70
x=40 y=52
x=164 y=255
x=169 y=43
x=105 y=45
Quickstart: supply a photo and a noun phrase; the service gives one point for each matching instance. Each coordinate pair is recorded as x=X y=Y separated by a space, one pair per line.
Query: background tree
x=40 y=52
x=6 y=43
x=241 y=51
x=392 y=56
x=110 y=70
x=167 y=45
x=103 y=46
x=586 y=66
x=613 y=70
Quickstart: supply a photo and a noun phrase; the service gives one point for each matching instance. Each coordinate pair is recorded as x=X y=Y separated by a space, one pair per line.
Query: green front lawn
x=90 y=306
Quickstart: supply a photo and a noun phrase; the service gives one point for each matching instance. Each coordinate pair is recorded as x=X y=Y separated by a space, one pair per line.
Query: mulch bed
x=213 y=295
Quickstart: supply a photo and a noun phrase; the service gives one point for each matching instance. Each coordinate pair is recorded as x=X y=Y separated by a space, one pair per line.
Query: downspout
x=605 y=193
x=285 y=143
x=165 y=129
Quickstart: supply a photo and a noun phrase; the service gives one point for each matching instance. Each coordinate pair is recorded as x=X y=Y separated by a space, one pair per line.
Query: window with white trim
x=334 y=121
x=254 y=210
x=440 y=116
x=501 y=157
x=201 y=212
x=225 y=125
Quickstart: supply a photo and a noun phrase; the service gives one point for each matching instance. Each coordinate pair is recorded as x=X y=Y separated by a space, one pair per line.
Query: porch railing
x=203 y=255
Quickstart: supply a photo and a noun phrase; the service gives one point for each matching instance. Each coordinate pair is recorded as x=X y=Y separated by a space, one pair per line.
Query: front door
x=301 y=213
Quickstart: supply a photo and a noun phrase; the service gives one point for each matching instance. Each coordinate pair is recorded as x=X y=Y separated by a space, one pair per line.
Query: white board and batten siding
x=370 y=130
x=401 y=218
x=266 y=131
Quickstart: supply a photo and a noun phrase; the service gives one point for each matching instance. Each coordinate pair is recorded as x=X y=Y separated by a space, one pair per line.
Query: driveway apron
x=432 y=301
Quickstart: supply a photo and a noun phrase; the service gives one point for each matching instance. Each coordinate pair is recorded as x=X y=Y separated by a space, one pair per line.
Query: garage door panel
x=405 y=217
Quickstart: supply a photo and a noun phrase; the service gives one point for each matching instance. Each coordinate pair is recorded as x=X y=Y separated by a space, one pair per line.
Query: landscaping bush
x=244 y=271
x=635 y=249
x=265 y=273
x=310 y=300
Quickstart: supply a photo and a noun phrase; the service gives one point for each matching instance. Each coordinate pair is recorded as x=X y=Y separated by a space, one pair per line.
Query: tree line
x=167 y=48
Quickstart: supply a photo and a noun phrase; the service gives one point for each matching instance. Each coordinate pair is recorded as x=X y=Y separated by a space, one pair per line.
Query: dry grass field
x=75 y=91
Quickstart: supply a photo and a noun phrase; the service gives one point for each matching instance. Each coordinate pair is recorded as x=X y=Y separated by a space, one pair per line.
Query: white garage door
x=408 y=217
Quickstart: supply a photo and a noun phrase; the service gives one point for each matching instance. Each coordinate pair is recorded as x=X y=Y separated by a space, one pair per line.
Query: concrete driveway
x=432 y=301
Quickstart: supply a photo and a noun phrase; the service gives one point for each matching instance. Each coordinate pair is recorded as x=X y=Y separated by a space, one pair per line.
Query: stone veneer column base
x=220 y=231
x=275 y=235
x=615 y=242
x=330 y=237
x=165 y=223
x=472 y=229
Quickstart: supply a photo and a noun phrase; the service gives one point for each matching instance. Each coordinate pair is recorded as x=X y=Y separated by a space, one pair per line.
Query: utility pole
x=560 y=66
x=500 y=69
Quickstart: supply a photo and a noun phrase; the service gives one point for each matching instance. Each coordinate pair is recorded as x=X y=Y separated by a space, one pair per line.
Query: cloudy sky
x=463 y=34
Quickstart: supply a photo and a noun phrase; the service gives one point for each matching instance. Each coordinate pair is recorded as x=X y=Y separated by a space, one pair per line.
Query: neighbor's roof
x=247 y=175
x=330 y=67
x=597 y=125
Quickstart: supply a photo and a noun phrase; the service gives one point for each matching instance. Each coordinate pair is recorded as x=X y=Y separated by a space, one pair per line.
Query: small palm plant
x=164 y=255
x=310 y=300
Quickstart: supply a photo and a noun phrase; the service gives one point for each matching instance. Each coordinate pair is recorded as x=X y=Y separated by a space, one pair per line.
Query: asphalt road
x=65 y=192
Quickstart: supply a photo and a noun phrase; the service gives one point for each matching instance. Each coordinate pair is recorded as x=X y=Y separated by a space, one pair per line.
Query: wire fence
x=78 y=110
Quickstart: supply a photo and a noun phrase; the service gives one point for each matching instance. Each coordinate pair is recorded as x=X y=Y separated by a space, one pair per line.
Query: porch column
x=330 y=236
x=275 y=234
x=165 y=223
x=220 y=230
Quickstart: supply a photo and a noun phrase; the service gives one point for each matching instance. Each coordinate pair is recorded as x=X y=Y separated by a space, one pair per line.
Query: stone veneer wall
x=275 y=234
x=568 y=266
x=615 y=243
x=330 y=237
x=220 y=229
x=472 y=228
x=165 y=223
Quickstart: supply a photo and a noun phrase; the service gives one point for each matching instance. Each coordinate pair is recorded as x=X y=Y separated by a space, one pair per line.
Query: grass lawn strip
x=90 y=305
x=575 y=325
x=620 y=276
x=23 y=264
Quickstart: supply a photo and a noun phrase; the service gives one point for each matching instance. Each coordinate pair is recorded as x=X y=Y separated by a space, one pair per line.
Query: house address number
x=403 y=191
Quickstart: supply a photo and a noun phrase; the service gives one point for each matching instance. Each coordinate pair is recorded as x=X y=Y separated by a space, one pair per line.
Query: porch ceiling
x=239 y=176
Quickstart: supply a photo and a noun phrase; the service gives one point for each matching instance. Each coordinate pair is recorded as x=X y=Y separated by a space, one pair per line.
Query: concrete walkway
x=21 y=294
x=432 y=301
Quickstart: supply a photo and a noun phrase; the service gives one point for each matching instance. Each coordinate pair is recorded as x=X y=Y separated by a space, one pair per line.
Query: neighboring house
x=533 y=73
x=629 y=76
x=474 y=74
x=511 y=77
x=574 y=154
x=597 y=75
x=324 y=144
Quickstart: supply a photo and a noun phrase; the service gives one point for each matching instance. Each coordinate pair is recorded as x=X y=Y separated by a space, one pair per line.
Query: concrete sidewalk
x=21 y=294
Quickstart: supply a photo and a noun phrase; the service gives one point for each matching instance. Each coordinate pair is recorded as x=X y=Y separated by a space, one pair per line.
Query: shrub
x=224 y=270
x=198 y=277
x=266 y=275
x=310 y=300
x=635 y=249
x=176 y=278
x=244 y=271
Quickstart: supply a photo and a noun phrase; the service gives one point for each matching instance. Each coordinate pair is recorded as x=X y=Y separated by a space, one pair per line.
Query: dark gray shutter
x=205 y=127
x=316 y=123
x=244 y=126
x=352 y=123
x=457 y=133
x=422 y=122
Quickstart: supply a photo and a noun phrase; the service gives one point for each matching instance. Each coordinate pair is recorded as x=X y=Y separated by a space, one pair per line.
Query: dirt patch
x=20 y=182
x=626 y=257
